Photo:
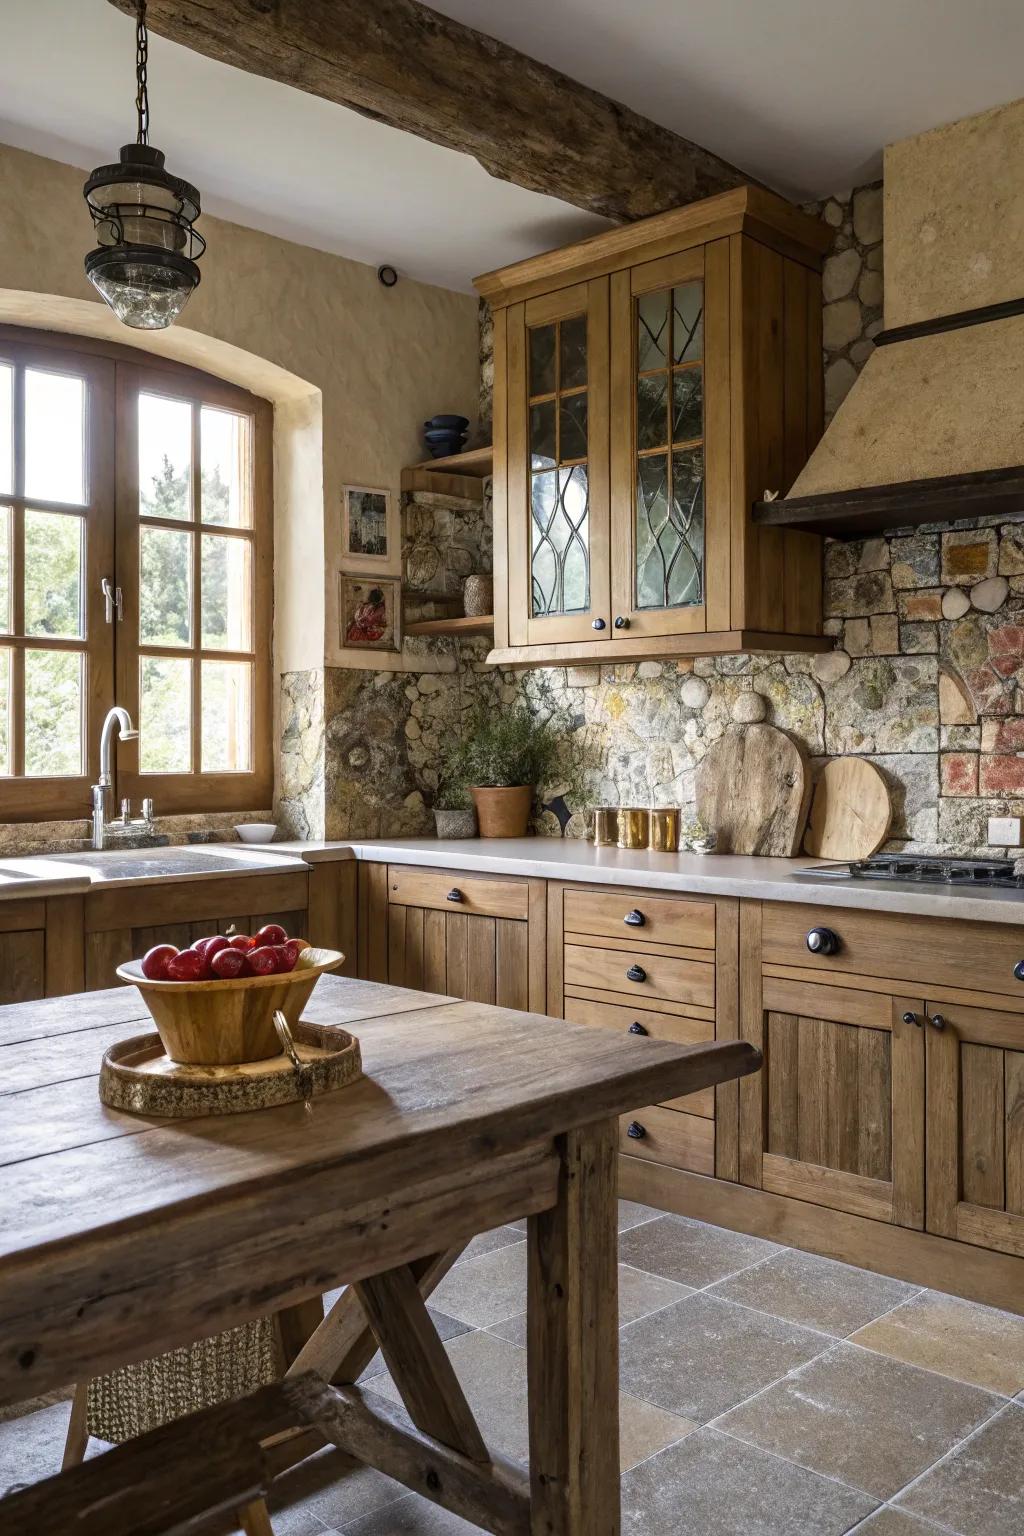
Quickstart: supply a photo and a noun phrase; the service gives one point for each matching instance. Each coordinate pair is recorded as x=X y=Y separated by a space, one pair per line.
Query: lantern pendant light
x=145 y=262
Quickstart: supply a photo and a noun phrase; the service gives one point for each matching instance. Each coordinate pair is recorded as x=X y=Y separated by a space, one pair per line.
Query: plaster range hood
x=933 y=428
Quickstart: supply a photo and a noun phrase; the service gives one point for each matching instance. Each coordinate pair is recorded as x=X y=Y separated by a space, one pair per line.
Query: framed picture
x=370 y=611
x=370 y=536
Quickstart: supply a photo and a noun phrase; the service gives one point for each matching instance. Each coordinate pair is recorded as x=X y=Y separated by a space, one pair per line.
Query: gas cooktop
x=923 y=871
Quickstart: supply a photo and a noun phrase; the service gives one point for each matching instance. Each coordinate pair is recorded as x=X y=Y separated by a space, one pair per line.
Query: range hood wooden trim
x=905 y=504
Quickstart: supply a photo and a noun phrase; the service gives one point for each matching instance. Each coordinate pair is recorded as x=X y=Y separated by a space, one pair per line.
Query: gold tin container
x=634 y=825
x=606 y=826
x=665 y=829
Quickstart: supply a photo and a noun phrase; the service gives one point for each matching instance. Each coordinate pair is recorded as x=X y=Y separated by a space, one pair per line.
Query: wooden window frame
x=115 y=374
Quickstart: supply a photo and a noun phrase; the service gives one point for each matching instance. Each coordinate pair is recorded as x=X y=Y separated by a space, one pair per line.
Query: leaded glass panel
x=542 y=360
x=572 y=357
x=652 y=330
x=687 y=322
x=559 y=482
x=542 y=435
x=687 y=404
x=652 y=411
x=670 y=530
x=560 y=563
x=572 y=427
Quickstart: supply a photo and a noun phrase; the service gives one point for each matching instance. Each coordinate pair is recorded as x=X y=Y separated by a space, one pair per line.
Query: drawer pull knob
x=620 y=622
x=634 y=919
x=597 y=624
x=1018 y=971
x=912 y=1018
x=636 y=973
x=454 y=894
x=636 y=1028
x=937 y=1021
x=823 y=941
x=635 y=1131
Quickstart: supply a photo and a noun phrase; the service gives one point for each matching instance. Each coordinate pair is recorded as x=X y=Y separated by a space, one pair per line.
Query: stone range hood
x=933 y=428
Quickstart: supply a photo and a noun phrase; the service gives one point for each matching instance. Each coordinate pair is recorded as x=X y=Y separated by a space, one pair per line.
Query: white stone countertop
x=52 y=874
x=762 y=879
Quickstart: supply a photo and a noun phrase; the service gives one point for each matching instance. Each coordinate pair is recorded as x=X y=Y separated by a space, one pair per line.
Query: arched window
x=136 y=567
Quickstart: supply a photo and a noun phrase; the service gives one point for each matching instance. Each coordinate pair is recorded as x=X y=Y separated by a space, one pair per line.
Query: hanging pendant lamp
x=145 y=263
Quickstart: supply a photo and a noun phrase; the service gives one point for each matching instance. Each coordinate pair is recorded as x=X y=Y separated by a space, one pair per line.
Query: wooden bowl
x=221 y=1023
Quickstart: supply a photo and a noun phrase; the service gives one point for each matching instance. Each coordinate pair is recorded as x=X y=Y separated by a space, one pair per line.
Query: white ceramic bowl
x=257 y=831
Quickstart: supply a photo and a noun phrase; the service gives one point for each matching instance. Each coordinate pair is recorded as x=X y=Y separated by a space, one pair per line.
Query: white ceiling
x=803 y=94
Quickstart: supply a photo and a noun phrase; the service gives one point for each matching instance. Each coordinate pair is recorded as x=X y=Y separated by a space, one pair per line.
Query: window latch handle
x=113 y=600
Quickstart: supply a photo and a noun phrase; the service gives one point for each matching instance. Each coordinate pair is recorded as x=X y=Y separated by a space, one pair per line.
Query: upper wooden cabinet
x=650 y=384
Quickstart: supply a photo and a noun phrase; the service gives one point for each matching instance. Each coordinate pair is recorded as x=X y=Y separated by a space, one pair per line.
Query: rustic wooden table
x=121 y=1237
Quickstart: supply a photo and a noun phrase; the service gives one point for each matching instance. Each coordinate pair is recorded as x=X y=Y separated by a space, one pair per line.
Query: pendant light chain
x=141 y=61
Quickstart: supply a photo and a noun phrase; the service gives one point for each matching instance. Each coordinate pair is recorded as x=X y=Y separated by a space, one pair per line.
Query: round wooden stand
x=139 y=1078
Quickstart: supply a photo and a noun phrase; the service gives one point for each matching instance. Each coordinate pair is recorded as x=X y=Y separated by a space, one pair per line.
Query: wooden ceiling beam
x=410 y=67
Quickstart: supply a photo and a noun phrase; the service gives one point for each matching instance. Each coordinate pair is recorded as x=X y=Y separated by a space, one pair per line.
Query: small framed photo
x=370 y=609
x=370 y=535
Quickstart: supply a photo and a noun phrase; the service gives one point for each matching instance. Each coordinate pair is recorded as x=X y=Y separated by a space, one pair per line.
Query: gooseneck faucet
x=120 y=720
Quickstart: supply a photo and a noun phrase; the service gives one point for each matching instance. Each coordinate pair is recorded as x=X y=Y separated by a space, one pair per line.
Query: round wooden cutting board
x=850 y=813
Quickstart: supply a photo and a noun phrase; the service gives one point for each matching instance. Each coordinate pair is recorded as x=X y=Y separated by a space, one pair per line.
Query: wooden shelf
x=457 y=474
x=479 y=625
x=472 y=461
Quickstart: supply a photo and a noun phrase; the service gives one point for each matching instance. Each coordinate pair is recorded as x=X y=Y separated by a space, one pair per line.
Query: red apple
x=187 y=965
x=263 y=960
x=212 y=947
x=228 y=963
x=291 y=949
x=156 y=960
x=242 y=941
x=271 y=933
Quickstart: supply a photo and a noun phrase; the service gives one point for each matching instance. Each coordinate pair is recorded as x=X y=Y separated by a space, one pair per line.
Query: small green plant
x=452 y=795
x=502 y=749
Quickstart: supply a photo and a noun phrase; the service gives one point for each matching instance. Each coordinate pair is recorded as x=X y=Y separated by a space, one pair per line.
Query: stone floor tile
x=819 y=1293
x=32 y=1447
x=871 y=1422
x=954 y=1337
x=701 y=1356
x=34 y=1404
x=486 y=1289
x=447 y=1328
x=327 y=1492
x=689 y=1251
x=716 y=1487
x=893 y=1522
x=979 y=1489
x=639 y=1295
x=409 y=1516
x=631 y=1214
x=644 y=1430
x=487 y=1242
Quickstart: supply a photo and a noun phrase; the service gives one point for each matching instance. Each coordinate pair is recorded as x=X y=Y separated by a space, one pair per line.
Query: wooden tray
x=139 y=1078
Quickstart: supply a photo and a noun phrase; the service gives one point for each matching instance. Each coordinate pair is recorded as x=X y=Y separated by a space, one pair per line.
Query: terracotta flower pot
x=503 y=812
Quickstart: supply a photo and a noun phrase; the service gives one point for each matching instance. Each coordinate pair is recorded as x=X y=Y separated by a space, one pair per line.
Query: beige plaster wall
x=353 y=368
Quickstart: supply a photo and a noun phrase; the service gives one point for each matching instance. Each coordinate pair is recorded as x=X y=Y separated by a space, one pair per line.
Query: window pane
x=687 y=322
x=687 y=405
x=6 y=428
x=572 y=427
x=165 y=586
x=226 y=458
x=652 y=411
x=54 y=436
x=5 y=711
x=53 y=574
x=542 y=435
x=651 y=331
x=165 y=714
x=227 y=717
x=227 y=594
x=573 y=352
x=542 y=360
x=165 y=457
x=53 y=713
x=5 y=570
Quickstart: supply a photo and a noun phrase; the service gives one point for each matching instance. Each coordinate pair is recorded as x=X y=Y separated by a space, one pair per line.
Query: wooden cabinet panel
x=975 y=1105
x=667 y=1136
x=838 y=1115
x=657 y=1026
x=657 y=975
x=663 y=919
x=926 y=951
x=22 y=966
x=451 y=890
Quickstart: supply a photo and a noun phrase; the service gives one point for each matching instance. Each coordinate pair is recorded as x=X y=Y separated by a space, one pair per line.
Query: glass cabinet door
x=558 y=481
x=661 y=448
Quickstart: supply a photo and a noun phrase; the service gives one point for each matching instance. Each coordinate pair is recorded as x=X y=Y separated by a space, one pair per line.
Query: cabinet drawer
x=922 y=950
x=454 y=891
x=663 y=919
x=656 y=976
x=657 y=1026
x=669 y=1136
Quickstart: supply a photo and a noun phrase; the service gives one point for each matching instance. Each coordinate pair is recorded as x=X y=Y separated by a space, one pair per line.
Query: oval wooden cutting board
x=851 y=811
x=752 y=789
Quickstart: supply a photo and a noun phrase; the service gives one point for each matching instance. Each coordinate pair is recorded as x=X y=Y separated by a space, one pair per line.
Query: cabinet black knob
x=634 y=919
x=1018 y=971
x=635 y=1131
x=937 y=1021
x=823 y=941
x=636 y=973
x=912 y=1018
x=597 y=624
x=636 y=1028
x=454 y=894
x=620 y=622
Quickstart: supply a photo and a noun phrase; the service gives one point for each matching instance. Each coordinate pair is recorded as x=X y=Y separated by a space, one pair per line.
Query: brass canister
x=606 y=826
x=665 y=829
x=634 y=825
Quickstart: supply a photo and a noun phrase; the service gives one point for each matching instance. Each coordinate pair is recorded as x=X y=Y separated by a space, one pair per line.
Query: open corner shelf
x=479 y=625
x=457 y=474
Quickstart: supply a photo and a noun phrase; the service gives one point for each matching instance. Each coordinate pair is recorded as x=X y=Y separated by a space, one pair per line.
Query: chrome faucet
x=119 y=719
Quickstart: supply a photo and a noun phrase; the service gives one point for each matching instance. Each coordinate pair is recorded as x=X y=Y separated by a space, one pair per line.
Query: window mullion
x=196 y=616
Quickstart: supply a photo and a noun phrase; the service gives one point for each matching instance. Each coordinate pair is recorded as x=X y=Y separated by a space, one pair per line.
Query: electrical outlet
x=1004 y=831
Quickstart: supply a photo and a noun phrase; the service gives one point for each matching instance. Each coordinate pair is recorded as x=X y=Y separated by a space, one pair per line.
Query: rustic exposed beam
x=405 y=65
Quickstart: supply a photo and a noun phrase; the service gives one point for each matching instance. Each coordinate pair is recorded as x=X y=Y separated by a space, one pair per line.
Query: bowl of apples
x=214 y=1003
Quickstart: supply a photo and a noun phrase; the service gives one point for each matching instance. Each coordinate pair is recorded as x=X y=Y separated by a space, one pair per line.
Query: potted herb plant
x=502 y=758
x=454 y=814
